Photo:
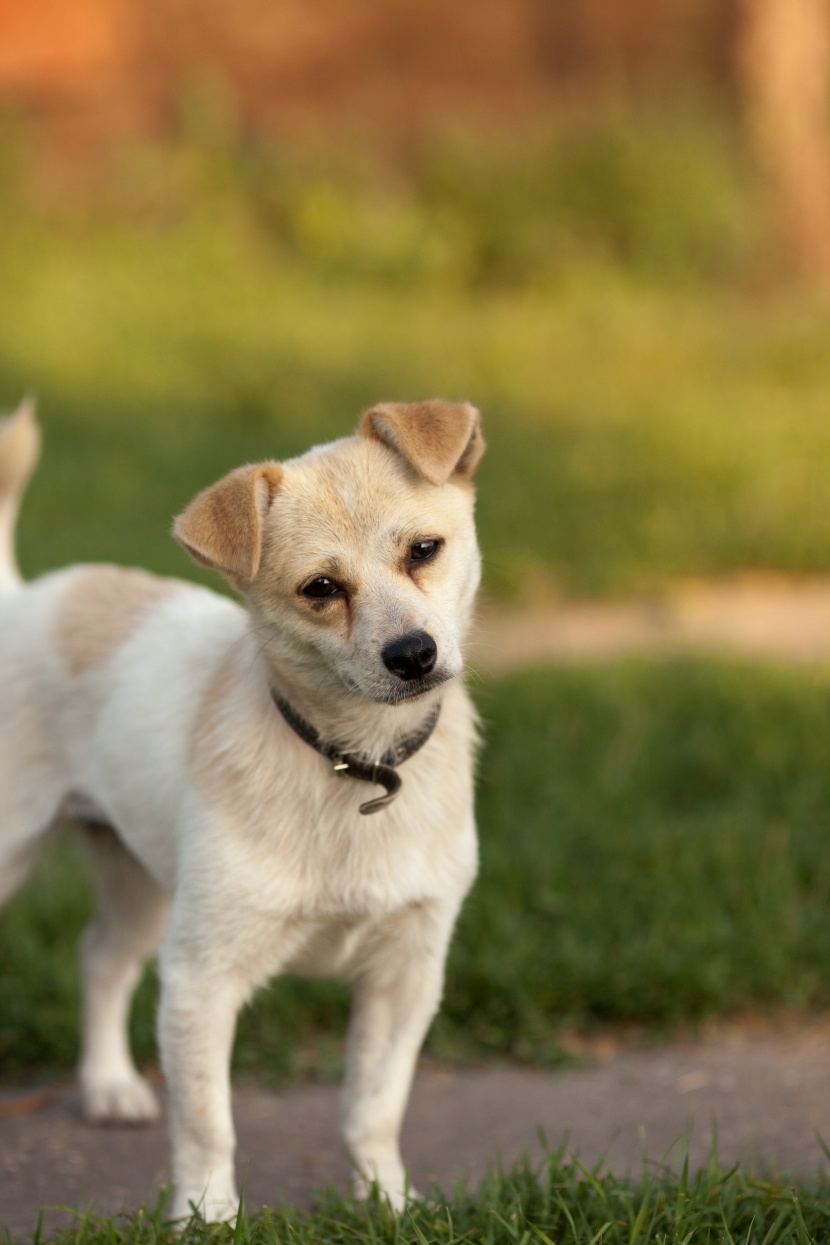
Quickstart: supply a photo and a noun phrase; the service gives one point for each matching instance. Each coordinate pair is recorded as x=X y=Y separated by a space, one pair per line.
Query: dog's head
x=359 y=559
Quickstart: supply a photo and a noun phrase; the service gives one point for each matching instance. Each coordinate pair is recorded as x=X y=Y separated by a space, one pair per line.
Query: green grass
x=559 y=1203
x=653 y=849
x=656 y=405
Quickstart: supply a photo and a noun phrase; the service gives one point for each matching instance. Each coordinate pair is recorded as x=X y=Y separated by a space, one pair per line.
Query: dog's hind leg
x=29 y=796
x=127 y=928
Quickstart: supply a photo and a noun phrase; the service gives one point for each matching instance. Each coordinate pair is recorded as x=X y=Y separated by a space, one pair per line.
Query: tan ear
x=438 y=439
x=222 y=526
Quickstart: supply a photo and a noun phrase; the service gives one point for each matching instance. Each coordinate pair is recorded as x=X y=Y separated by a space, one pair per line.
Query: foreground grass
x=653 y=849
x=561 y=1203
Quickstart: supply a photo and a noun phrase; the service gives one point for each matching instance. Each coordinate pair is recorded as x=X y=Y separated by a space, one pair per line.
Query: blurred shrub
x=659 y=196
x=662 y=196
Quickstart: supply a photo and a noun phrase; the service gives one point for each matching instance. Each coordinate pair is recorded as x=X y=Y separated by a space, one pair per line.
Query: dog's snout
x=412 y=656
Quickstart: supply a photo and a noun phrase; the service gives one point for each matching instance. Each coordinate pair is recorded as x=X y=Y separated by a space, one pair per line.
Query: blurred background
x=225 y=229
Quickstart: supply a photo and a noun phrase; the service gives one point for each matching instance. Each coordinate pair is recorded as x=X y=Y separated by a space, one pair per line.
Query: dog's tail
x=19 y=452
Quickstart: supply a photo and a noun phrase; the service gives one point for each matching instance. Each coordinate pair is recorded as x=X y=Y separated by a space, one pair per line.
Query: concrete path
x=768 y=1094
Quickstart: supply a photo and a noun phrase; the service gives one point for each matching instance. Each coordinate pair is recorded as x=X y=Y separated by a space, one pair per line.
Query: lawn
x=653 y=849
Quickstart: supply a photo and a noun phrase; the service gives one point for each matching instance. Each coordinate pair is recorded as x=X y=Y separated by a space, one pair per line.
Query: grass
x=559 y=1203
x=653 y=842
x=653 y=850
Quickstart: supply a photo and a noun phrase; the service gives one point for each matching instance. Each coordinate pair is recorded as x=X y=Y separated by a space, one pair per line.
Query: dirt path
x=752 y=615
x=767 y=1093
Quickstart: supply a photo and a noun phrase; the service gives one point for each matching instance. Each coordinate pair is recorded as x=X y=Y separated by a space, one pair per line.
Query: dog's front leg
x=395 y=999
x=197 y=1018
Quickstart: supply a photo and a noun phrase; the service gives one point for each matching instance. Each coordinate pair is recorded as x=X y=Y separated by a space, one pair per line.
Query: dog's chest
x=329 y=946
x=347 y=868
x=334 y=909
x=285 y=824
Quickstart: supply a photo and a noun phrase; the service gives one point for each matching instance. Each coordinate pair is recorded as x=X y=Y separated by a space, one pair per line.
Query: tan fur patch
x=101 y=609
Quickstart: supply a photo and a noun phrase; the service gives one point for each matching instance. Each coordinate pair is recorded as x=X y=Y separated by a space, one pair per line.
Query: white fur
x=238 y=850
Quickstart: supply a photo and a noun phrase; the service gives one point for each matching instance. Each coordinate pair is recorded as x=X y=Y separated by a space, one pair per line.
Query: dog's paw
x=398 y=1198
x=127 y=1102
x=211 y=1209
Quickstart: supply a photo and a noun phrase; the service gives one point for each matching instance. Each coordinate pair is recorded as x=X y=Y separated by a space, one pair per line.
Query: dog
x=281 y=786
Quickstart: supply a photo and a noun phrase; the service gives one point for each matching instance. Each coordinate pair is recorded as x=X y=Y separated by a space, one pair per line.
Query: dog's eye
x=423 y=550
x=321 y=587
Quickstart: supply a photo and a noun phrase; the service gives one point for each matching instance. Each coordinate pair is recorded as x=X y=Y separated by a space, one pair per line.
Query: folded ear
x=438 y=439
x=222 y=526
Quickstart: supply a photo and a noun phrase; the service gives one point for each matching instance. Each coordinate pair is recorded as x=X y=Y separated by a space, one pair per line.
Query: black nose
x=412 y=656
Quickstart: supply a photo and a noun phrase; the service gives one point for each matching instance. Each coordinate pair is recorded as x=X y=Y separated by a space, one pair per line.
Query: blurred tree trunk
x=785 y=69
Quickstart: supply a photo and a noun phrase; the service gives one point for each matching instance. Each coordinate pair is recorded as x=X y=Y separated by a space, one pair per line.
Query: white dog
x=237 y=752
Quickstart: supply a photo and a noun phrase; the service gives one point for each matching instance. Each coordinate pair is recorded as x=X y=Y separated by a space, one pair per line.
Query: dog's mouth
x=415 y=688
x=401 y=693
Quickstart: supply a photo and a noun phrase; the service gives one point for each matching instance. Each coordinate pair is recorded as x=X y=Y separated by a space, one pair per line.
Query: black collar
x=356 y=764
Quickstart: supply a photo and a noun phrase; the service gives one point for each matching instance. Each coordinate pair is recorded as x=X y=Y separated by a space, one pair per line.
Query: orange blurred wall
x=51 y=46
x=401 y=65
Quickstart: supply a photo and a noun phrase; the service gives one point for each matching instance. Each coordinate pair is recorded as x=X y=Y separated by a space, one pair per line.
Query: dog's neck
x=343 y=716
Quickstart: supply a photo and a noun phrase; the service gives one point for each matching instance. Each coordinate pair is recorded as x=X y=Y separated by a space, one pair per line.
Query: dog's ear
x=222 y=526
x=440 y=440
